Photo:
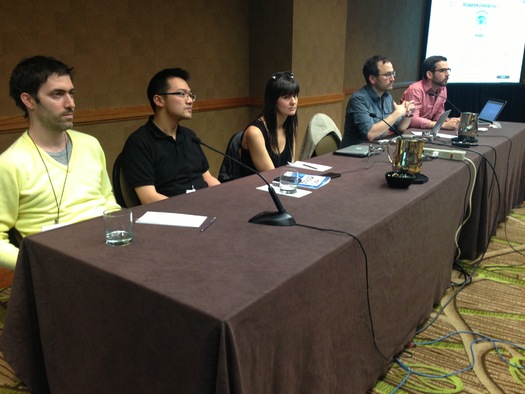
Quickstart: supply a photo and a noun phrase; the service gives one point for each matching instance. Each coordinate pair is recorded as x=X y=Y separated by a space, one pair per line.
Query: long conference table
x=245 y=308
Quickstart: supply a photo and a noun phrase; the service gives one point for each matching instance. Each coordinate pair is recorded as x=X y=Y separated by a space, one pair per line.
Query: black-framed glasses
x=281 y=74
x=180 y=94
x=388 y=75
x=442 y=70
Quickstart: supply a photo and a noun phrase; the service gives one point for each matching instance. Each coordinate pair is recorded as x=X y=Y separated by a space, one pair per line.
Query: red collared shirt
x=428 y=108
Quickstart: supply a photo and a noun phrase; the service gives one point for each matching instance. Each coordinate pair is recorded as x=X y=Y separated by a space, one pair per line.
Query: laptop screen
x=491 y=110
x=442 y=118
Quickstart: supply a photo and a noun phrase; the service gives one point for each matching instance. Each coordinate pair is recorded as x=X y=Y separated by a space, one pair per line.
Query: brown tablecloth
x=244 y=308
x=500 y=184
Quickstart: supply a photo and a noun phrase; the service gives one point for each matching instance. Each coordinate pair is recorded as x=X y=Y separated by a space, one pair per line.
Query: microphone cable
x=366 y=279
x=374 y=163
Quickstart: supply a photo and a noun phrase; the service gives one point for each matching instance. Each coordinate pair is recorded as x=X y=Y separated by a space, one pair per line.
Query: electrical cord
x=456 y=265
x=472 y=181
x=364 y=168
x=482 y=338
x=467 y=276
x=468 y=206
x=506 y=183
x=496 y=181
x=468 y=279
x=366 y=279
x=465 y=283
x=468 y=209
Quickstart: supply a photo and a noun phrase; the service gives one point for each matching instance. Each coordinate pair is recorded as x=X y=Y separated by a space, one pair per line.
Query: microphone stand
x=447 y=100
x=372 y=115
x=279 y=218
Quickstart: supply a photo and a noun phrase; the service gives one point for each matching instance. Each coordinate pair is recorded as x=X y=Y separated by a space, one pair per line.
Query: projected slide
x=483 y=40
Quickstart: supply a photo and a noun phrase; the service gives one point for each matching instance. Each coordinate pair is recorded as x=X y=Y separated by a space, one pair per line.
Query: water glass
x=118 y=224
x=288 y=182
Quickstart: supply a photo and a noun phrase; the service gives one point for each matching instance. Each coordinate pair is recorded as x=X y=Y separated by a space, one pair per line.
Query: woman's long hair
x=280 y=84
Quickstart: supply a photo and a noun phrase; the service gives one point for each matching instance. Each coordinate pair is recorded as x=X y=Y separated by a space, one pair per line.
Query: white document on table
x=309 y=166
x=171 y=219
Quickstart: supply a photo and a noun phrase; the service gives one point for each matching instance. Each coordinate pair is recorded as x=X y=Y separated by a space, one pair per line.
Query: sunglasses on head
x=281 y=74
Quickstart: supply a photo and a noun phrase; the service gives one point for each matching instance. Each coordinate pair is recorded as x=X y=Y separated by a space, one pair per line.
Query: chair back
x=124 y=194
x=231 y=170
x=322 y=136
x=14 y=237
x=328 y=144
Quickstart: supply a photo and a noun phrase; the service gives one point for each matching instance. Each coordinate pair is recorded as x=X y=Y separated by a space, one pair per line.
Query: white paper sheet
x=309 y=166
x=445 y=136
x=171 y=219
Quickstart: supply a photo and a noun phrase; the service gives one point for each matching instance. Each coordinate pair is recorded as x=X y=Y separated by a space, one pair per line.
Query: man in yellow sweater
x=51 y=175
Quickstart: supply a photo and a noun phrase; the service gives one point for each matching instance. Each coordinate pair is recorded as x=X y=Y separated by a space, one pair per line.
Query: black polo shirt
x=173 y=166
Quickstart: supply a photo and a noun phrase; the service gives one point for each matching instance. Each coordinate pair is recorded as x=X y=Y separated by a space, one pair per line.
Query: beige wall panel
x=319 y=45
x=392 y=29
x=117 y=45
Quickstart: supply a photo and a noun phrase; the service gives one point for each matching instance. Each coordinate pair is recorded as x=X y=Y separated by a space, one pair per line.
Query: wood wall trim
x=10 y=124
x=397 y=86
x=321 y=100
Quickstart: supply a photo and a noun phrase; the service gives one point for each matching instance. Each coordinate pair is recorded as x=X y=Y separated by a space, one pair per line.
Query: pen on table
x=309 y=166
x=213 y=219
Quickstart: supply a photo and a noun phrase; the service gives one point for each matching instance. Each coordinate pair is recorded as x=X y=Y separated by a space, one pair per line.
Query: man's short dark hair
x=31 y=73
x=370 y=67
x=159 y=82
x=429 y=64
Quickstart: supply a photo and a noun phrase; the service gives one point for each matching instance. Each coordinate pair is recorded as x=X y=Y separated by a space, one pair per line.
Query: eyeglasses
x=388 y=75
x=442 y=70
x=180 y=94
x=281 y=74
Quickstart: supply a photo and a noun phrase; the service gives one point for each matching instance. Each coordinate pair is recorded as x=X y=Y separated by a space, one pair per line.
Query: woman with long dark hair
x=269 y=141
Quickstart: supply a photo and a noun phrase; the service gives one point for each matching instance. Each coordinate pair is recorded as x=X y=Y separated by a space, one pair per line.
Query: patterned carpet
x=474 y=342
x=9 y=383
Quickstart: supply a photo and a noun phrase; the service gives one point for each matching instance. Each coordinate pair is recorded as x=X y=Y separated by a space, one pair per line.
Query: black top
x=278 y=160
x=173 y=166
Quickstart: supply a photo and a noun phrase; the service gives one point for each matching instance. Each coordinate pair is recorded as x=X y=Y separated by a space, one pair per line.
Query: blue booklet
x=313 y=181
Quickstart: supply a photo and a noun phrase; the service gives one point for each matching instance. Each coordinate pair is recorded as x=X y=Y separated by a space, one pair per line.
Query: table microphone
x=372 y=115
x=446 y=99
x=279 y=218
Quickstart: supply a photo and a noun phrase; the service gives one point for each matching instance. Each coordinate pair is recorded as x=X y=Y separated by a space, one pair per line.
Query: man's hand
x=451 y=124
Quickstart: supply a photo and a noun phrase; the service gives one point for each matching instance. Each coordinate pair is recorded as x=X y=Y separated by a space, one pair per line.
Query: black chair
x=231 y=170
x=14 y=237
x=124 y=194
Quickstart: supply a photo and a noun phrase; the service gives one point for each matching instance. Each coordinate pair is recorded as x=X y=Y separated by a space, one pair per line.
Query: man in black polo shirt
x=159 y=160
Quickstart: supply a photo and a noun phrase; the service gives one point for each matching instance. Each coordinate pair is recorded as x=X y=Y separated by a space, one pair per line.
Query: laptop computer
x=491 y=111
x=361 y=150
x=439 y=123
x=432 y=134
